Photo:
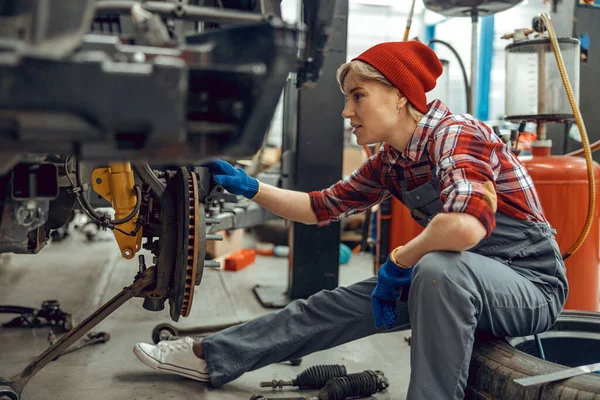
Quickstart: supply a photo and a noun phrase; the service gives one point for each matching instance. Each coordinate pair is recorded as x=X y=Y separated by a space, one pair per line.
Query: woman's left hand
x=392 y=281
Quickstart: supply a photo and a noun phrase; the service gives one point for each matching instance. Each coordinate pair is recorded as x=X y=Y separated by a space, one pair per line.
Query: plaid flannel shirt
x=478 y=173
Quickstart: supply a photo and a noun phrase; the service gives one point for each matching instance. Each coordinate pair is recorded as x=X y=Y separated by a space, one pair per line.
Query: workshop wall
x=374 y=21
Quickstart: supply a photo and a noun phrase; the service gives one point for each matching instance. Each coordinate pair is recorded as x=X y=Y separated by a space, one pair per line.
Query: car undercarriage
x=126 y=100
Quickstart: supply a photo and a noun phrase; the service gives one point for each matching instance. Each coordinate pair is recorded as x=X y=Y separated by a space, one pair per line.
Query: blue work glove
x=392 y=281
x=234 y=180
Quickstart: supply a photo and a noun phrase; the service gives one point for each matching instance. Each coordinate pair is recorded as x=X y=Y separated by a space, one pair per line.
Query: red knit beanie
x=412 y=67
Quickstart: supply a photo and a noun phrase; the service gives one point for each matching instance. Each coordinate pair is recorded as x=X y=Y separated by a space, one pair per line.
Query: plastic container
x=345 y=254
x=534 y=89
x=240 y=259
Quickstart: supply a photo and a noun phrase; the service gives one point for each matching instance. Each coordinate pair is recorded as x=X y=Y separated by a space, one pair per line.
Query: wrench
x=16 y=383
x=91 y=338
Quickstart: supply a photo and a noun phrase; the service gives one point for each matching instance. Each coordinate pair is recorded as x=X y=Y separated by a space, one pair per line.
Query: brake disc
x=191 y=243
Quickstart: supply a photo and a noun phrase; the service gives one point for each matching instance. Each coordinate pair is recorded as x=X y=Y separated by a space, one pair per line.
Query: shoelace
x=172 y=347
x=170 y=343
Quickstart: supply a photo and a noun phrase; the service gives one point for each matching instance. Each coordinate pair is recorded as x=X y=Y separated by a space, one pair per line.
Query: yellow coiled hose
x=584 y=137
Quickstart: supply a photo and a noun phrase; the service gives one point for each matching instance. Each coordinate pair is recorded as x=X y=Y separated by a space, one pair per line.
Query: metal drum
x=562 y=186
x=464 y=8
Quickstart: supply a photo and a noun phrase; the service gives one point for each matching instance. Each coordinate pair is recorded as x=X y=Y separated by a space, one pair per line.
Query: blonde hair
x=366 y=72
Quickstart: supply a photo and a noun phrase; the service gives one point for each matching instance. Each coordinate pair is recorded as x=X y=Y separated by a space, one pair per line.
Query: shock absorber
x=314 y=377
x=362 y=384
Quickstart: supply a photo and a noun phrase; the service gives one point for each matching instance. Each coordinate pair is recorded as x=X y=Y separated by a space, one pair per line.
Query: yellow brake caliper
x=116 y=185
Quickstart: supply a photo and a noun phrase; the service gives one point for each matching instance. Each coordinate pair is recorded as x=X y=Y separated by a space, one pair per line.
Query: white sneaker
x=176 y=357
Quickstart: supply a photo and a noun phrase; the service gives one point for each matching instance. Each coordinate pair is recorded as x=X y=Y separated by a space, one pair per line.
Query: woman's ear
x=400 y=99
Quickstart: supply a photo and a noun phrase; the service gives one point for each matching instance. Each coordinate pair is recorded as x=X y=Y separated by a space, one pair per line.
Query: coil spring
x=362 y=384
x=317 y=376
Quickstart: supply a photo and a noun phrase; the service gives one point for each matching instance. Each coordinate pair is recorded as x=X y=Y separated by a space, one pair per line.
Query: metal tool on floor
x=12 y=387
x=558 y=375
x=51 y=339
x=90 y=339
x=49 y=314
x=362 y=384
x=314 y=377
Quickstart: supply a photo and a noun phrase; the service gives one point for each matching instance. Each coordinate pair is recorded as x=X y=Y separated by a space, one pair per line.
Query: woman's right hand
x=234 y=180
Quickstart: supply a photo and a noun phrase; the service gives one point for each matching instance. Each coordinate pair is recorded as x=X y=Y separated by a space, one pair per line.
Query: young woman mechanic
x=487 y=259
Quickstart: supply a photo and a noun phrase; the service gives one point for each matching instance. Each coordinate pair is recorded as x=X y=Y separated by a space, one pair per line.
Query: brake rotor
x=191 y=240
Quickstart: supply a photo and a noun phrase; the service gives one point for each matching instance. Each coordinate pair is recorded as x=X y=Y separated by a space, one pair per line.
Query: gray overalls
x=512 y=283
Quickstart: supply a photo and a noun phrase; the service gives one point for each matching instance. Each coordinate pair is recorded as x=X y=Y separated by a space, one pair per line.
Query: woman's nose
x=347 y=112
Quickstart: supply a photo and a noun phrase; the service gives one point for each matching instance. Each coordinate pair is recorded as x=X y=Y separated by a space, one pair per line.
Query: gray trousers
x=452 y=295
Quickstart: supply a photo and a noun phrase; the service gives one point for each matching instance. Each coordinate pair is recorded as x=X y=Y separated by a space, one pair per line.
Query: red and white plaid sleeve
x=363 y=189
x=467 y=166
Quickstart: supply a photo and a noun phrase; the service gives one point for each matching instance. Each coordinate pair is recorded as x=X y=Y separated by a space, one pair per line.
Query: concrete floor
x=84 y=275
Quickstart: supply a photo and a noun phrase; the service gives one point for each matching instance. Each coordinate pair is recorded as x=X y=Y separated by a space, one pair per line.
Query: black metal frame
x=312 y=160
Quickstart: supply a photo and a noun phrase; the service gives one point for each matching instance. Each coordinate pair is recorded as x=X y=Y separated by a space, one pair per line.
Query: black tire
x=162 y=332
x=8 y=393
x=496 y=363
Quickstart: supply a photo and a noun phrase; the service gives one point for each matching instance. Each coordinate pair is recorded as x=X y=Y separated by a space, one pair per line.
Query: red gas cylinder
x=403 y=227
x=562 y=185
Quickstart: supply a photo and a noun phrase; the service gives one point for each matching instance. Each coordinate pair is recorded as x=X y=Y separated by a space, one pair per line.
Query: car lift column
x=313 y=161
x=314 y=252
